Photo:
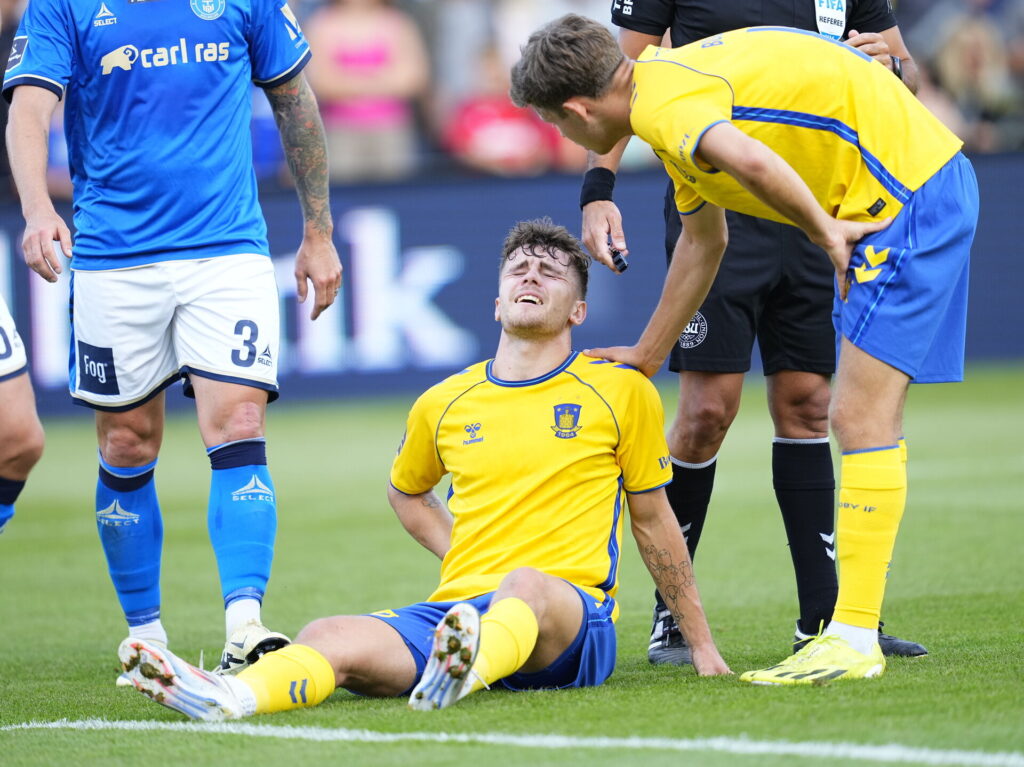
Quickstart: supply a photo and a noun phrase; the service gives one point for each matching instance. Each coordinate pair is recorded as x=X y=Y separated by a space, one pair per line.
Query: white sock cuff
x=811 y=441
x=240 y=612
x=685 y=465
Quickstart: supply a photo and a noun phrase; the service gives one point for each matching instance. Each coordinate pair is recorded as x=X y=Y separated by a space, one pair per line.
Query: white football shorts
x=136 y=331
x=12 y=350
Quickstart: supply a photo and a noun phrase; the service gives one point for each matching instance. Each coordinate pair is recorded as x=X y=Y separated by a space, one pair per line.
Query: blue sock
x=132 y=534
x=9 y=491
x=242 y=517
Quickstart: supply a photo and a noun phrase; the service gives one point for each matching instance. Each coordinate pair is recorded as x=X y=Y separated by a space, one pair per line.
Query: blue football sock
x=9 y=491
x=132 y=534
x=242 y=517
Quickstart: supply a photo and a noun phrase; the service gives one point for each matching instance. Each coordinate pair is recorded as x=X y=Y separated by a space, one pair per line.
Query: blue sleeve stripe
x=839 y=128
x=40 y=82
x=650 y=489
x=691 y=212
x=288 y=74
x=400 y=490
x=696 y=144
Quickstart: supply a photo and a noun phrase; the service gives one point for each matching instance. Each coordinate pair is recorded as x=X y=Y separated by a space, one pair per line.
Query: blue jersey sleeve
x=42 y=53
x=277 y=47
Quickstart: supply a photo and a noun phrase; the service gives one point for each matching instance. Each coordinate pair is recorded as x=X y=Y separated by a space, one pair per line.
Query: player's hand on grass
x=41 y=231
x=839 y=243
x=317 y=261
x=871 y=44
x=629 y=355
x=708 y=662
x=603 y=221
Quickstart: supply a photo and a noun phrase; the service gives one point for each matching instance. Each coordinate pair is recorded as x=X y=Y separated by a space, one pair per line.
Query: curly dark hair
x=571 y=56
x=543 y=238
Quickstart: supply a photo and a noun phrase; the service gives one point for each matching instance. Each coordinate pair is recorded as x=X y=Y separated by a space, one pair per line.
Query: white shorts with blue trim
x=137 y=330
x=13 y=361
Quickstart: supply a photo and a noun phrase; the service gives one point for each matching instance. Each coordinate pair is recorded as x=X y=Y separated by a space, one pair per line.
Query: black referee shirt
x=691 y=20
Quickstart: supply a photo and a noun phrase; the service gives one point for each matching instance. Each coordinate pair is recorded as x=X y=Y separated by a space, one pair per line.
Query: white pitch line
x=743 y=746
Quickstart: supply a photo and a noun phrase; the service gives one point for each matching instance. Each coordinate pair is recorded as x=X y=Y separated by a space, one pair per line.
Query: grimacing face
x=538 y=294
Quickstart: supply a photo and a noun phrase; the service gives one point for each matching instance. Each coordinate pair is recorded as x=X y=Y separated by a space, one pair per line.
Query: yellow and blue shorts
x=907 y=303
x=587 y=662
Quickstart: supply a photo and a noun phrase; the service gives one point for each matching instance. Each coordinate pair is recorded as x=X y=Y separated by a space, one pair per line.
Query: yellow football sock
x=901 y=443
x=508 y=634
x=295 y=676
x=872 y=495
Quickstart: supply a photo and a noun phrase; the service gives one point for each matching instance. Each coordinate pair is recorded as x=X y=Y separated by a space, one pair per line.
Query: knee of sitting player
x=325 y=636
x=528 y=584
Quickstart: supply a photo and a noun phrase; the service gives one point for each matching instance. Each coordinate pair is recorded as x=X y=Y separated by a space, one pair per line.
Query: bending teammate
x=774 y=285
x=535 y=552
x=171 y=270
x=789 y=126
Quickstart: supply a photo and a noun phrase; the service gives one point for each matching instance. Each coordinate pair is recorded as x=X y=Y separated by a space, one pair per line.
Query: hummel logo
x=830 y=549
x=254 y=491
x=104 y=18
x=115 y=515
x=471 y=429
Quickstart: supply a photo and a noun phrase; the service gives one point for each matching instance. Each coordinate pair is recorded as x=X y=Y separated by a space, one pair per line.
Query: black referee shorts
x=773 y=285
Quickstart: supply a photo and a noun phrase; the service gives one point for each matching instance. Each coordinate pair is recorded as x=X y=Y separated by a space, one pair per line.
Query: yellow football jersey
x=539 y=470
x=860 y=140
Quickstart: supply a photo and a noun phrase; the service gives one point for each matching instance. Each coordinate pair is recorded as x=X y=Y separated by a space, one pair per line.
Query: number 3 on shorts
x=249 y=332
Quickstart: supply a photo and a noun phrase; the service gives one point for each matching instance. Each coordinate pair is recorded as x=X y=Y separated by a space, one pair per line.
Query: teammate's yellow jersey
x=860 y=140
x=539 y=470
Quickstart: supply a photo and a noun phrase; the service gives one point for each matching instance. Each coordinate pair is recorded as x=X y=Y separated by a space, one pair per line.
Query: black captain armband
x=598 y=184
x=897 y=66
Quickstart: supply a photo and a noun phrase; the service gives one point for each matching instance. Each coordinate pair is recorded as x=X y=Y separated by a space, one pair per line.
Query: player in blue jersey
x=171 y=275
x=21 y=434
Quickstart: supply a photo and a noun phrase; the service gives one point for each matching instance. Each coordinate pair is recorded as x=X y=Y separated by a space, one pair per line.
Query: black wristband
x=897 y=66
x=597 y=185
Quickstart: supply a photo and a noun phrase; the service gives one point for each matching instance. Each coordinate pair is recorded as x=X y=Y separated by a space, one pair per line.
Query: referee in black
x=773 y=285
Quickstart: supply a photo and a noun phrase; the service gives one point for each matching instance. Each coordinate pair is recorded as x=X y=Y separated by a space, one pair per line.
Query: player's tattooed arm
x=664 y=552
x=425 y=517
x=674 y=579
x=305 y=147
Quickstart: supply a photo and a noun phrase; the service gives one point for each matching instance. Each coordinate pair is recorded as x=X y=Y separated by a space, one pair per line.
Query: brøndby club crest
x=567 y=420
x=208 y=9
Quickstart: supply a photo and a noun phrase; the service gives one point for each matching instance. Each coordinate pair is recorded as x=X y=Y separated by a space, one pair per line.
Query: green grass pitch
x=956 y=585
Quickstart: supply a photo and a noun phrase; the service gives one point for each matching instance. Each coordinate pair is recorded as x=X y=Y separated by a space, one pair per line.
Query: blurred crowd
x=419 y=87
